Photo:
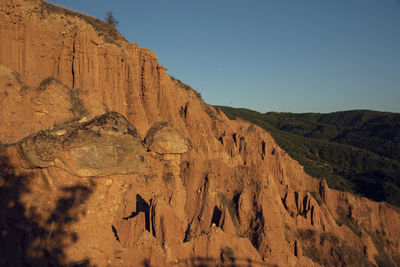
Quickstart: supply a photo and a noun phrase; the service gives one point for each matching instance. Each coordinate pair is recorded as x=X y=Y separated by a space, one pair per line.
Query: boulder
x=162 y=138
x=105 y=145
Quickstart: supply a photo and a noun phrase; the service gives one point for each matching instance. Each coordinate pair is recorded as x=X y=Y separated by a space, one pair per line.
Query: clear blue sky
x=270 y=55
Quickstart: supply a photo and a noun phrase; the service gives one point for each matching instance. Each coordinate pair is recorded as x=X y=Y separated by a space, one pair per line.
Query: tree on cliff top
x=110 y=19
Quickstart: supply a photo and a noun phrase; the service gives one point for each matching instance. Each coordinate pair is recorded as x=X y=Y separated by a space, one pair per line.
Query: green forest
x=355 y=151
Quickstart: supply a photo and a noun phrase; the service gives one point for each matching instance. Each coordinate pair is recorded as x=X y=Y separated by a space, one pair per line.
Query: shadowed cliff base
x=223 y=261
x=27 y=238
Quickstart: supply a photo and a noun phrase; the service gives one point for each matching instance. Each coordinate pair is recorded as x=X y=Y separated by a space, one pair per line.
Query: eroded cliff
x=208 y=191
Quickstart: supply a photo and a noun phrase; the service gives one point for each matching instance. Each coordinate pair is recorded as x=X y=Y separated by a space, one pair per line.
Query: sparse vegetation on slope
x=110 y=19
x=111 y=35
x=342 y=253
x=355 y=151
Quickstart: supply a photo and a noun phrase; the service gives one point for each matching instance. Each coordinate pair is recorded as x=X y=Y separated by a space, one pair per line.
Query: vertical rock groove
x=73 y=61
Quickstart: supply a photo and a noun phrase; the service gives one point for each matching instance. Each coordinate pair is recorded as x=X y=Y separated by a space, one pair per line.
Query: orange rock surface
x=232 y=198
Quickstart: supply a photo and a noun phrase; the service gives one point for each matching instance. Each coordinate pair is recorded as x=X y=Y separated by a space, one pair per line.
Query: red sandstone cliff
x=209 y=191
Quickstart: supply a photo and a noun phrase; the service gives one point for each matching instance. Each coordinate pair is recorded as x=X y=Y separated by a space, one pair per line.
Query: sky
x=270 y=55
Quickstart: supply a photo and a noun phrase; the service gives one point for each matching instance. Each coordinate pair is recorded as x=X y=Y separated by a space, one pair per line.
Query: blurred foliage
x=355 y=151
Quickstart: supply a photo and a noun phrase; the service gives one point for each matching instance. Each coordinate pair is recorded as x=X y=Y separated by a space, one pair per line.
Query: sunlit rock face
x=79 y=187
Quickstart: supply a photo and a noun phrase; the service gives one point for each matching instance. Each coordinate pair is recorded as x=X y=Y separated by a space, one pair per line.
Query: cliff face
x=207 y=190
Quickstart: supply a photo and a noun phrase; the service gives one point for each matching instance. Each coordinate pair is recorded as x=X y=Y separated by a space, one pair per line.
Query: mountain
x=356 y=151
x=106 y=160
x=378 y=132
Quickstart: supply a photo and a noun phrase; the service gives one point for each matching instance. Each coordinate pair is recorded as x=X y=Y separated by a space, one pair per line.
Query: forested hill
x=376 y=131
x=356 y=151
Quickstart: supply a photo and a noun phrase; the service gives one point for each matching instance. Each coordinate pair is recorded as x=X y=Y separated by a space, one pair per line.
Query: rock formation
x=79 y=187
x=106 y=145
x=163 y=139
